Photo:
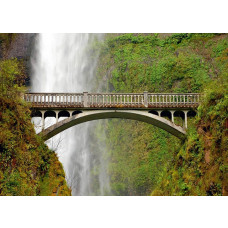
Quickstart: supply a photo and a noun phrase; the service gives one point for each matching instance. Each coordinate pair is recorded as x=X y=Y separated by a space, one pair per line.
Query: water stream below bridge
x=63 y=63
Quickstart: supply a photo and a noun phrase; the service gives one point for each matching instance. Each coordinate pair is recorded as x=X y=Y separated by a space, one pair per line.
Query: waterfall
x=63 y=63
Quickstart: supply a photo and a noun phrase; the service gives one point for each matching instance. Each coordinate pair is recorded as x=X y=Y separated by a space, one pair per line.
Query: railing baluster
x=114 y=99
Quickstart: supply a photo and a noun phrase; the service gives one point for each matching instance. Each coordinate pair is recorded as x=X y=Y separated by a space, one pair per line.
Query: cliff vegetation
x=145 y=160
x=27 y=166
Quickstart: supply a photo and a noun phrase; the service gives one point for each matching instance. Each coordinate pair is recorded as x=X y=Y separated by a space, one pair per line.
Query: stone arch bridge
x=158 y=109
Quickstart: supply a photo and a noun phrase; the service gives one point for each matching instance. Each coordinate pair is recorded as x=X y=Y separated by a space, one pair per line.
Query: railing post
x=145 y=99
x=85 y=99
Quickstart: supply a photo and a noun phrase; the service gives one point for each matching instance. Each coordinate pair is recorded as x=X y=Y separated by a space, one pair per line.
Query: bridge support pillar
x=57 y=116
x=42 y=120
x=172 y=115
x=71 y=112
x=159 y=113
x=185 y=119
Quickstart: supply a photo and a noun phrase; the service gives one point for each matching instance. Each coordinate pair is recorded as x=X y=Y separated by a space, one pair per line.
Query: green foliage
x=5 y=40
x=27 y=166
x=144 y=159
x=8 y=71
x=148 y=65
x=202 y=160
x=221 y=46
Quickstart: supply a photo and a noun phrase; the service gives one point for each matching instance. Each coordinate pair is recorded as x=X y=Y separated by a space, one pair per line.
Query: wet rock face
x=21 y=46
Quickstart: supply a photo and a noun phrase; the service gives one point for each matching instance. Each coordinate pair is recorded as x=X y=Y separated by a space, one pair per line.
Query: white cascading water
x=63 y=63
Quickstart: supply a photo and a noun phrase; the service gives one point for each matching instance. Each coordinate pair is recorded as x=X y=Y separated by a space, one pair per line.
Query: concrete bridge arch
x=78 y=117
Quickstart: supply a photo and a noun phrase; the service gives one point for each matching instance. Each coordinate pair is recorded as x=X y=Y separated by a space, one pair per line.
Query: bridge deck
x=112 y=100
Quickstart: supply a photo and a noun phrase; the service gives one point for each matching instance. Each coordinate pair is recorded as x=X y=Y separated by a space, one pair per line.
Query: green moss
x=205 y=151
x=144 y=159
x=27 y=166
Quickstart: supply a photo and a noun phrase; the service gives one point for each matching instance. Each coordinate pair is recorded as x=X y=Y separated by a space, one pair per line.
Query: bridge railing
x=173 y=99
x=54 y=99
x=118 y=100
x=115 y=99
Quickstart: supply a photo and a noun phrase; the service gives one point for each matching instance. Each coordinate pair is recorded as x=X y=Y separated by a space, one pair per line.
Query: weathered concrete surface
x=143 y=116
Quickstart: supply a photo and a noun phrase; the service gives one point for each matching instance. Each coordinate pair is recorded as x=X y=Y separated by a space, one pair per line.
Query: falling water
x=63 y=63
